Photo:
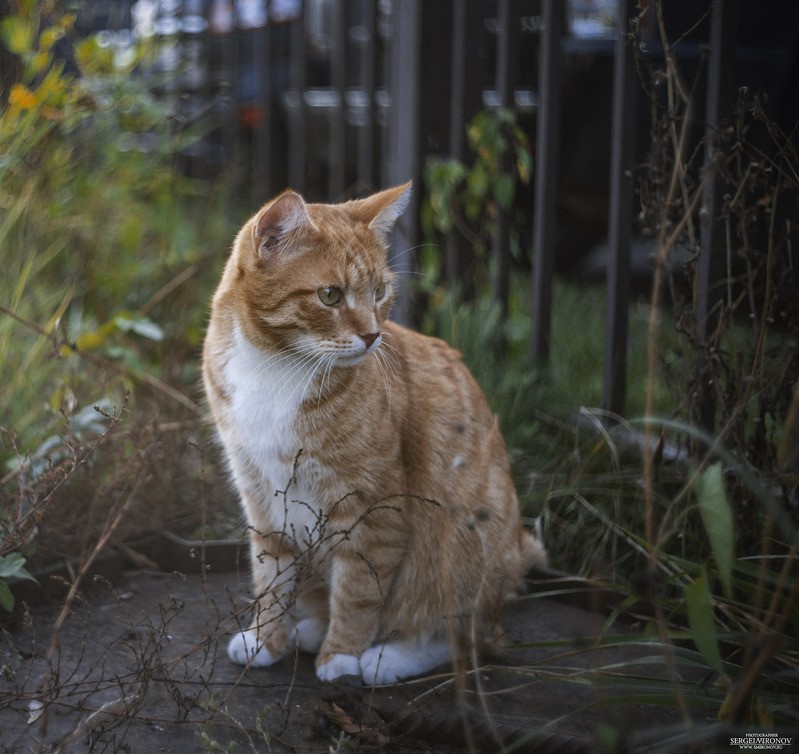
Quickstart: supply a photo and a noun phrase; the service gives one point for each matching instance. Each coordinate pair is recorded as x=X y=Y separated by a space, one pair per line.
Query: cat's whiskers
x=287 y=354
x=320 y=365
x=289 y=369
x=311 y=361
x=398 y=255
x=326 y=366
x=291 y=372
x=392 y=350
x=385 y=369
x=326 y=376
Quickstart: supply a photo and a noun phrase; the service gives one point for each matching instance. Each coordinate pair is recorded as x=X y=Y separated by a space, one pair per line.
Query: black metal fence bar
x=465 y=102
x=367 y=64
x=337 y=144
x=297 y=149
x=625 y=87
x=402 y=159
x=229 y=93
x=546 y=171
x=262 y=137
x=507 y=26
x=719 y=106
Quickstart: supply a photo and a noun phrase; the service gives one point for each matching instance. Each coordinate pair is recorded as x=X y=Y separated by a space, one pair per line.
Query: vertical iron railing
x=383 y=84
x=719 y=106
x=337 y=144
x=465 y=102
x=546 y=172
x=505 y=78
x=404 y=146
x=295 y=109
x=625 y=88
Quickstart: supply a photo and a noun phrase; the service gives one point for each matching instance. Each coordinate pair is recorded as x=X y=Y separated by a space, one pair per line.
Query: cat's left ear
x=380 y=211
x=279 y=224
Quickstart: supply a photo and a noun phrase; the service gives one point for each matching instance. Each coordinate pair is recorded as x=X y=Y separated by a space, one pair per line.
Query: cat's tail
x=534 y=554
x=531 y=555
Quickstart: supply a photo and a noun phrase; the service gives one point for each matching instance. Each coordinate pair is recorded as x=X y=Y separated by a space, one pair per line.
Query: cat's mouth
x=350 y=361
x=351 y=357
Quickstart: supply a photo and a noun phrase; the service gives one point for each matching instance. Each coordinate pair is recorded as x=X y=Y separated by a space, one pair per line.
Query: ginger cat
x=383 y=520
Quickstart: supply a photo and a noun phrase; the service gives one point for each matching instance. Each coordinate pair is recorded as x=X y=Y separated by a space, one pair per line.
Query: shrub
x=106 y=250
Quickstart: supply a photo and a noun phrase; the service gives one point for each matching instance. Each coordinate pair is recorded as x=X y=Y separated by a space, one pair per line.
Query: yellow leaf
x=22 y=97
x=91 y=341
x=16 y=33
x=37 y=63
x=52 y=34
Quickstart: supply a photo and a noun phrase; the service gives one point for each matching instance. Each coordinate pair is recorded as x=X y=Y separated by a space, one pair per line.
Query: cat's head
x=315 y=278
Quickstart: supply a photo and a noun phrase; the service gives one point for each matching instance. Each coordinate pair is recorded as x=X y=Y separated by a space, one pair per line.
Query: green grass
x=696 y=579
x=539 y=407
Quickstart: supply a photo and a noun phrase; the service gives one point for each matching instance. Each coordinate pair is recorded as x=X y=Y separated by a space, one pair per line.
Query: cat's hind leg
x=245 y=648
x=396 y=660
x=310 y=615
x=309 y=633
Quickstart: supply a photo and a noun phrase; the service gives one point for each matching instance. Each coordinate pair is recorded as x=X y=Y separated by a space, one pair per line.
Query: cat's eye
x=330 y=295
x=380 y=292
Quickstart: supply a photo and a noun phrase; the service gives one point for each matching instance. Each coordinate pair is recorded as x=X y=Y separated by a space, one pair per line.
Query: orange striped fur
x=372 y=473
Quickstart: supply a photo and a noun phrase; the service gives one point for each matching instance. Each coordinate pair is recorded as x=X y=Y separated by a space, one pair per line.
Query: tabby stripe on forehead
x=363 y=270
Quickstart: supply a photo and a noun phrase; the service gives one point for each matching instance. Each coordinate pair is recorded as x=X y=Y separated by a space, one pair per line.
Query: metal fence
x=338 y=97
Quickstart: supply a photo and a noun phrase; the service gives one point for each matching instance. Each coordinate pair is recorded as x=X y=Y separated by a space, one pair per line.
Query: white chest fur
x=266 y=391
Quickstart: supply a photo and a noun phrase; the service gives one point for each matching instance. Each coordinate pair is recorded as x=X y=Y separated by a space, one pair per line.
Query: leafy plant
x=103 y=243
x=465 y=199
x=12 y=566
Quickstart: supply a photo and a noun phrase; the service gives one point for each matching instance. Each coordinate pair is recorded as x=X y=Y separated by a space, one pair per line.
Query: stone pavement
x=139 y=665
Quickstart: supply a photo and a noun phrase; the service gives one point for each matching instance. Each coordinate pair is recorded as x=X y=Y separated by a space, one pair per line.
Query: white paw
x=337 y=666
x=245 y=649
x=389 y=663
x=309 y=633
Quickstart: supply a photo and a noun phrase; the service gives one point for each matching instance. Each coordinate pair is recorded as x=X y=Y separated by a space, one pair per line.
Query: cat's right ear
x=279 y=224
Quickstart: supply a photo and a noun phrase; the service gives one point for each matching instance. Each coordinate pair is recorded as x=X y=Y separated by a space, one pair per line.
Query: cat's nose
x=370 y=338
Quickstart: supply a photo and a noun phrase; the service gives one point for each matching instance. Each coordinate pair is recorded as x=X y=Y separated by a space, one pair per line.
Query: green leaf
x=13 y=564
x=524 y=164
x=6 y=597
x=477 y=181
x=16 y=33
x=504 y=190
x=702 y=622
x=139 y=325
x=717 y=518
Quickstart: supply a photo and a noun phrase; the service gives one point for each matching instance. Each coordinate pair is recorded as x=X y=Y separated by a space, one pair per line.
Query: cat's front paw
x=382 y=665
x=337 y=666
x=245 y=649
x=388 y=663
